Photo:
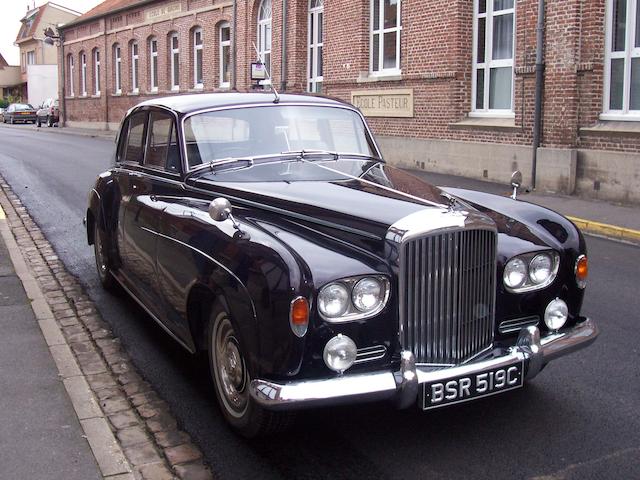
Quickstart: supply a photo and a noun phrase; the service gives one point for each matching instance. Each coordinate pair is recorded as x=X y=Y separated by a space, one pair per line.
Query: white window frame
x=199 y=85
x=135 y=66
x=265 y=32
x=175 y=65
x=381 y=31
x=631 y=51
x=488 y=65
x=314 y=45
x=31 y=57
x=71 y=75
x=117 y=61
x=224 y=44
x=153 y=64
x=96 y=72
x=83 y=74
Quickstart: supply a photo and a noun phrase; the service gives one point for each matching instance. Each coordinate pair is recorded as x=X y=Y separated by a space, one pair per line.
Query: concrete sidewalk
x=591 y=216
x=50 y=425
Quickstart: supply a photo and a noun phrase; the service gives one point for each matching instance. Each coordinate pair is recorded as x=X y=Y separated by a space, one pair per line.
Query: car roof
x=199 y=101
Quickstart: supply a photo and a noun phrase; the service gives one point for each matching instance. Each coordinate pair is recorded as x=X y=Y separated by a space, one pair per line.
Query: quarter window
x=162 y=148
x=264 y=34
x=385 y=37
x=314 y=67
x=225 y=55
x=134 y=149
x=135 y=60
x=175 y=61
x=493 y=56
x=117 y=59
x=153 y=64
x=197 y=59
x=622 y=67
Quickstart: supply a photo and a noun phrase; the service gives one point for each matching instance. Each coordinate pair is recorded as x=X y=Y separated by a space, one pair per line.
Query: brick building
x=447 y=85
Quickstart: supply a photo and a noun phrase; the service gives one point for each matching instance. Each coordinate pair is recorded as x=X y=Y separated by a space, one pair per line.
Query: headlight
x=353 y=298
x=340 y=353
x=515 y=273
x=333 y=300
x=367 y=294
x=531 y=271
x=556 y=314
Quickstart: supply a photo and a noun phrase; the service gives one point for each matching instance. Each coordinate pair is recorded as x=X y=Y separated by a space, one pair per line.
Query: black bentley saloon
x=269 y=232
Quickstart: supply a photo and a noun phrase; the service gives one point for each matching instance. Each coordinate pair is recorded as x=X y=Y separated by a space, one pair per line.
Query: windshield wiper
x=214 y=165
x=308 y=154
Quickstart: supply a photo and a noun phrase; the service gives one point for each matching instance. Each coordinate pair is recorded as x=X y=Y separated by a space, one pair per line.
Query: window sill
x=134 y=93
x=613 y=128
x=619 y=117
x=116 y=94
x=95 y=96
x=487 y=123
x=175 y=89
x=372 y=78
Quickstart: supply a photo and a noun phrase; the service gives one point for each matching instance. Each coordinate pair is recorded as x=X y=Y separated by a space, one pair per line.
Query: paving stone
x=194 y=471
x=129 y=377
x=57 y=301
x=184 y=453
x=142 y=398
x=114 y=404
x=78 y=337
x=88 y=357
x=121 y=367
x=124 y=419
x=73 y=329
x=152 y=409
x=155 y=471
x=172 y=438
x=132 y=436
x=162 y=423
x=100 y=381
x=82 y=347
x=102 y=333
x=68 y=321
x=134 y=388
x=93 y=367
x=108 y=392
x=142 y=454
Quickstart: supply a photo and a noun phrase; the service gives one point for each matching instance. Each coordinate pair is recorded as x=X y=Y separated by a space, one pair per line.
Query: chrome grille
x=447 y=295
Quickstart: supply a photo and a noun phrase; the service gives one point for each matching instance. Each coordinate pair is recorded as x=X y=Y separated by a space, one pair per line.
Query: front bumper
x=403 y=386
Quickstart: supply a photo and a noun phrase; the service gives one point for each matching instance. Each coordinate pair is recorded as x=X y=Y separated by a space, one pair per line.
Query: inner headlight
x=515 y=273
x=540 y=268
x=353 y=298
x=333 y=300
x=531 y=271
x=367 y=294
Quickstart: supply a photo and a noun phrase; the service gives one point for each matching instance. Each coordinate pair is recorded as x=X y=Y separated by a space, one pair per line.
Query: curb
x=103 y=134
x=605 y=230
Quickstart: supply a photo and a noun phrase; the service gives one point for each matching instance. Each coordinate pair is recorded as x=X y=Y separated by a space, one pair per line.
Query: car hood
x=368 y=204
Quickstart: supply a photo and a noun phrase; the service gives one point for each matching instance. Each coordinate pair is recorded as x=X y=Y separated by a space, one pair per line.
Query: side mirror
x=516 y=182
x=220 y=209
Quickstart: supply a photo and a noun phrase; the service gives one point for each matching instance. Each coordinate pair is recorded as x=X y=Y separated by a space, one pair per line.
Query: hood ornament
x=452 y=202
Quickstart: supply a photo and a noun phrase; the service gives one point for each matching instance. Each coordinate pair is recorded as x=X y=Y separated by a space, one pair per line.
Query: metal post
x=283 y=62
x=234 y=48
x=537 y=120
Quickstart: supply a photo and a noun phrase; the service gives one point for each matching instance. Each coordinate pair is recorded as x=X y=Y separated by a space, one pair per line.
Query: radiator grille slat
x=447 y=295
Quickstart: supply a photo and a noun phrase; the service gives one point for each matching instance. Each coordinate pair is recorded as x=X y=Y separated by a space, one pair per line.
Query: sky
x=11 y=11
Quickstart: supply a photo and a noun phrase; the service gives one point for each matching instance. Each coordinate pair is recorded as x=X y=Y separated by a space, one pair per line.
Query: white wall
x=42 y=83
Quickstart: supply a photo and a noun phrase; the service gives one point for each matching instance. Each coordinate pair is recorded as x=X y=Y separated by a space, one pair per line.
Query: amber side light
x=582 y=270
x=299 y=316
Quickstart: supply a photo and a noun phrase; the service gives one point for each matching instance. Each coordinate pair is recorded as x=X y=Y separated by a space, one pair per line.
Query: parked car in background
x=48 y=113
x=270 y=233
x=19 y=112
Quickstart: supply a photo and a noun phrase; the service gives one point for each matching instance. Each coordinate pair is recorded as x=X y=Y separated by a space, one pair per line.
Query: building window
x=385 y=37
x=264 y=34
x=314 y=62
x=622 y=67
x=71 y=76
x=225 y=55
x=493 y=25
x=174 y=54
x=198 y=81
x=135 y=60
x=153 y=64
x=96 y=72
x=31 y=57
x=117 y=61
x=83 y=74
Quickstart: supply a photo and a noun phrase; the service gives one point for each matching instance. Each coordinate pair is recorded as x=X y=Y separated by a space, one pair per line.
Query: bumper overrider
x=403 y=386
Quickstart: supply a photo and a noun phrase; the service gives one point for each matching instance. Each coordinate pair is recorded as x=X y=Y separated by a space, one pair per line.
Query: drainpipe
x=63 y=66
x=537 y=118
x=234 y=48
x=106 y=75
x=283 y=63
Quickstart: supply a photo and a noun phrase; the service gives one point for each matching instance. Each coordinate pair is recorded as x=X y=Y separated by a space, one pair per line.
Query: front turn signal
x=299 y=316
x=582 y=271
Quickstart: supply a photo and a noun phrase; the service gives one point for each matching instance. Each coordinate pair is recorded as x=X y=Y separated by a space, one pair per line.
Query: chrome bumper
x=403 y=386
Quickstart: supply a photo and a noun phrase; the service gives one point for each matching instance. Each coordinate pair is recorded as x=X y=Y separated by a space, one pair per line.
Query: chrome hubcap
x=230 y=369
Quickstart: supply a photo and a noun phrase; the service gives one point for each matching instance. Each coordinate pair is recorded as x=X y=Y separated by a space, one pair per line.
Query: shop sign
x=384 y=103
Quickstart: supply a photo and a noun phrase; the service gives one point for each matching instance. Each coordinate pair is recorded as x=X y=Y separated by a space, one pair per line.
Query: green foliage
x=4 y=103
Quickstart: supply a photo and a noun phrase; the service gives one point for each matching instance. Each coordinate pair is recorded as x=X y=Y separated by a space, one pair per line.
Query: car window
x=135 y=137
x=162 y=145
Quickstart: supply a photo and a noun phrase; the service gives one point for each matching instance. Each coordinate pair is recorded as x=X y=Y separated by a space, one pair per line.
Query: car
x=19 y=112
x=48 y=113
x=268 y=231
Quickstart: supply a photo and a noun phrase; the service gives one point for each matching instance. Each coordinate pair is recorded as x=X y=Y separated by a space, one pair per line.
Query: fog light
x=556 y=314
x=340 y=353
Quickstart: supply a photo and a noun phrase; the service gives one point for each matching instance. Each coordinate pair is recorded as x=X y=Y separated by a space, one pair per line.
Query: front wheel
x=231 y=380
x=49 y=121
x=102 y=258
x=38 y=123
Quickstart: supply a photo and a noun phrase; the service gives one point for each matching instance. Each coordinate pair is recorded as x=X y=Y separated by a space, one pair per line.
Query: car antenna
x=261 y=60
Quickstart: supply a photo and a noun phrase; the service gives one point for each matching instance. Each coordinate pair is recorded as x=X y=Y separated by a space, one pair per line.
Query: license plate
x=470 y=387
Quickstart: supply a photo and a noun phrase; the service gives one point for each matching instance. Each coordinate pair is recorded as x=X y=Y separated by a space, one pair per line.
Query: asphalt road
x=578 y=420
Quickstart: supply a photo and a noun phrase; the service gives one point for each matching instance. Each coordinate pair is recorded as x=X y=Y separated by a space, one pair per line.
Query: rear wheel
x=232 y=381
x=49 y=121
x=11 y=121
x=102 y=258
x=38 y=123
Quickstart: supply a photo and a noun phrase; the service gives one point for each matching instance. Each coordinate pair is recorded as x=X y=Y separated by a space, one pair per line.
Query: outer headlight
x=556 y=314
x=353 y=298
x=531 y=271
x=333 y=300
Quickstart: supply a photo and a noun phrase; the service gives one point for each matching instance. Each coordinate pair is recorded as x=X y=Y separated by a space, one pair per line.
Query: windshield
x=22 y=106
x=269 y=130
